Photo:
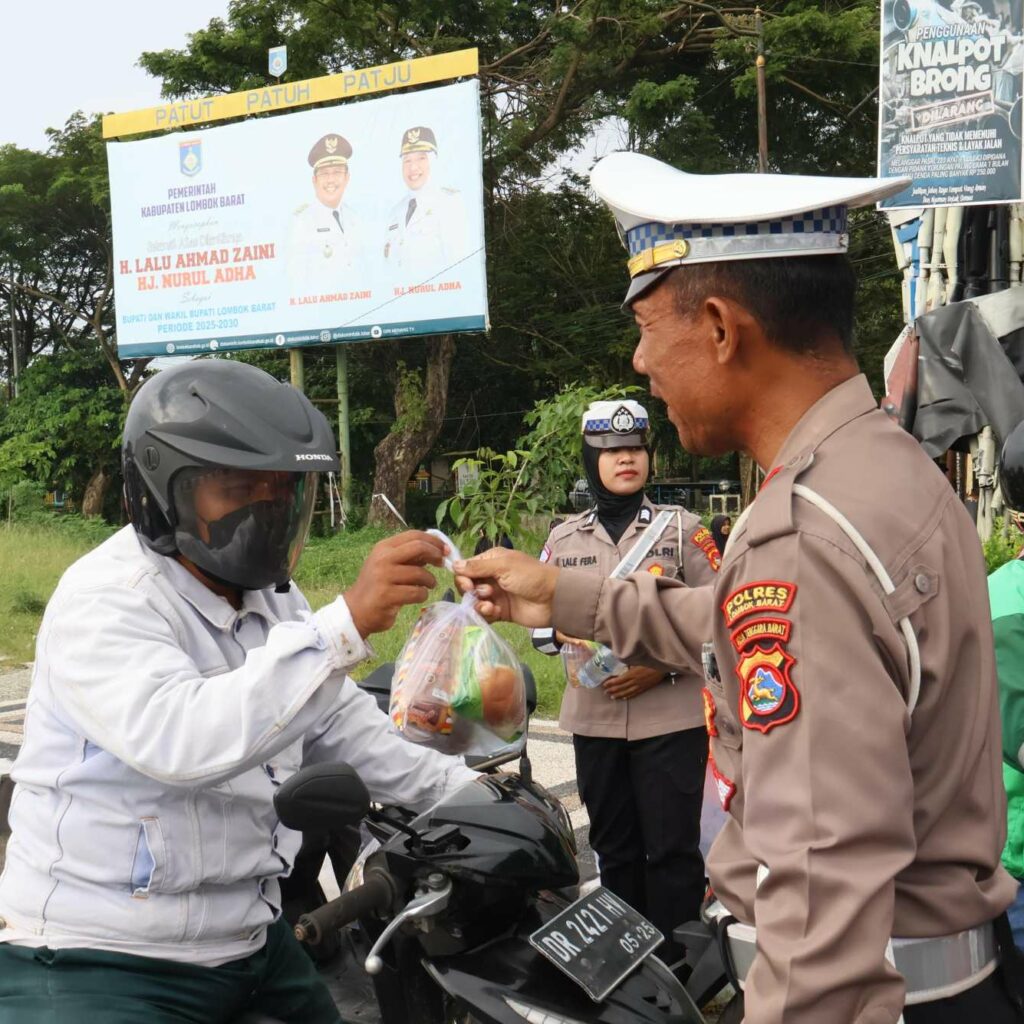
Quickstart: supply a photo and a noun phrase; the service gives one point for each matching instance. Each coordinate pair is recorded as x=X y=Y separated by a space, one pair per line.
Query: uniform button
x=922 y=584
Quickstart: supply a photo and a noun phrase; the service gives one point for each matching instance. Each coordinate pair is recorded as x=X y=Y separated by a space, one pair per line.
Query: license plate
x=597 y=941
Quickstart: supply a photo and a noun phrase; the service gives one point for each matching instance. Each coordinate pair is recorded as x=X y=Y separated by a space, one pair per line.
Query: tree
x=420 y=402
x=55 y=238
x=676 y=77
x=64 y=428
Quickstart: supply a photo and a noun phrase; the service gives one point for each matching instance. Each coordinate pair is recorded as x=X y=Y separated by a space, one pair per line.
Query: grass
x=33 y=557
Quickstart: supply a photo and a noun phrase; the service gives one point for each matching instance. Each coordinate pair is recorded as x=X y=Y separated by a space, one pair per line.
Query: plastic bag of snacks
x=458 y=687
x=589 y=664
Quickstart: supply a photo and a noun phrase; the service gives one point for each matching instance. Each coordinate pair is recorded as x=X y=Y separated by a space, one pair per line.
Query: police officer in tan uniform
x=639 y=737
x=851 y=692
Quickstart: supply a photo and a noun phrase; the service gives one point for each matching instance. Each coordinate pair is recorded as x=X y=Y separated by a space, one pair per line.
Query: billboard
x=950 y=101
x=344 y=223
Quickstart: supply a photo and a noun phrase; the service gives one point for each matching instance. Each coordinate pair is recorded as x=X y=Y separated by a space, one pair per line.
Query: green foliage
x=64 y=424
x=1003 y=546
x=494 y=502
x=507 y=490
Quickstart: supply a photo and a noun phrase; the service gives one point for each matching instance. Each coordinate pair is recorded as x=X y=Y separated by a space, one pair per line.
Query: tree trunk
x=419 y=413
x=749 y=480
x=95 y=489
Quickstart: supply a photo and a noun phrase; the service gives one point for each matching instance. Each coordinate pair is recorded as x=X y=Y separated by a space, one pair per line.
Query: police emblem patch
x=703 y=539
x=656 y=570
x=767 y=694
x=623 y=421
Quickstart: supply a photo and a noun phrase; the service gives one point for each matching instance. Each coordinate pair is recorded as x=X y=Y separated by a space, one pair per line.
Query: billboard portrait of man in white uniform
x=426 y=228
x=325 y=235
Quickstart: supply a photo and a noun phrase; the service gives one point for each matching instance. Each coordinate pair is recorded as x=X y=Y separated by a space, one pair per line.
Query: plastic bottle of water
x=602 y=665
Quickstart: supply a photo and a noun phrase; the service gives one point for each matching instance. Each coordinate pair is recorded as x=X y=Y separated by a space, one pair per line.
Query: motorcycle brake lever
x=433 y=901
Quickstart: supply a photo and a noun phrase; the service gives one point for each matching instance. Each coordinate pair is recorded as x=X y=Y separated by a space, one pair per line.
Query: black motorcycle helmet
x=219 y=426
x=1011 y=469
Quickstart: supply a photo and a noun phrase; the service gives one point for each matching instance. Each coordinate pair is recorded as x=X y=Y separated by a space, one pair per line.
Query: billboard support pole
x=344 y=450
x=297 y=363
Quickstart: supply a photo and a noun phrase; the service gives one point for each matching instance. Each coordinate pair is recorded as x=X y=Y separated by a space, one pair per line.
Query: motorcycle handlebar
x=374 y=894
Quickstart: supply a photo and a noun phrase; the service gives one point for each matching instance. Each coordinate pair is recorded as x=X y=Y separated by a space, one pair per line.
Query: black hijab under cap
x=614 y=511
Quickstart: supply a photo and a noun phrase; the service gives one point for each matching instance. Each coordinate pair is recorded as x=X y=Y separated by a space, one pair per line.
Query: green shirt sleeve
x=1006 y=596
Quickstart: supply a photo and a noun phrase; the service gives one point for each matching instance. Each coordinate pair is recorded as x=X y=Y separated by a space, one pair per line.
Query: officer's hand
x=391 y=577
x=632 y=682
x=512 y=586
x=564 y=638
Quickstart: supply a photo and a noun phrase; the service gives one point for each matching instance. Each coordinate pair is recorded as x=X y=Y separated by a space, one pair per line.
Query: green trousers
x=88 y=986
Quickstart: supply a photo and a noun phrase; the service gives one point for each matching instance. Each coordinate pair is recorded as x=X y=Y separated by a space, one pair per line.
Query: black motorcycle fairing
x=500 y=840
x=516 y=835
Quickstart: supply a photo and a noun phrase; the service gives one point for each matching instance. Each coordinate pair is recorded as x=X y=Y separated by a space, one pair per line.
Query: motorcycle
x=467 y=913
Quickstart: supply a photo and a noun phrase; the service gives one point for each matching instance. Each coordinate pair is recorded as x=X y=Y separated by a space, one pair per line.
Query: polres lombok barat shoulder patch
x=759 y=596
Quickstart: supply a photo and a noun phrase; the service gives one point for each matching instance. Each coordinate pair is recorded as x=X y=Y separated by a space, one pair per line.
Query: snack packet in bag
x=458 y=687
x=589 y=664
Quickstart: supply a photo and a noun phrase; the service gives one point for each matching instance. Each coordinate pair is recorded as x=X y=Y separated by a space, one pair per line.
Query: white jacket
x=159 y=723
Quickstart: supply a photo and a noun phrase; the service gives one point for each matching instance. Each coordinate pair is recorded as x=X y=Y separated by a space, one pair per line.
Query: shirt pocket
x=149 y=860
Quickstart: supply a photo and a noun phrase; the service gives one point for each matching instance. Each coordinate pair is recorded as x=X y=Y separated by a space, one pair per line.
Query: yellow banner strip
x=400 y=75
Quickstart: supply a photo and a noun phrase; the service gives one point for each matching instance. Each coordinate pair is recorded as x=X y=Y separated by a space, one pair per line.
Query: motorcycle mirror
x=531 y=689
x=323 y=796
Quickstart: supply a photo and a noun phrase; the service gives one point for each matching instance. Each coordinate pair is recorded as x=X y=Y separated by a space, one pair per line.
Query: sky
x=66 y=55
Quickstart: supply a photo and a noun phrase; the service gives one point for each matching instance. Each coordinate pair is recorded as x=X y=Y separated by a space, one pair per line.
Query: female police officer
x=639 y=738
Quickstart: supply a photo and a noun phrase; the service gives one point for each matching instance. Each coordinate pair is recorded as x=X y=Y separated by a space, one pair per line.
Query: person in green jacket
x=1006 y=597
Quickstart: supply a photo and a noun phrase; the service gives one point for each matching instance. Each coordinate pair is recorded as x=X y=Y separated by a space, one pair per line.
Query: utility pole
x=15 y=362
x=750 y=475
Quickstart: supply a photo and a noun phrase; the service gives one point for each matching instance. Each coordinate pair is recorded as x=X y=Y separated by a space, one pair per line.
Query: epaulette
x=772 y=514
x=450 y=191
x=579 y=519
x=299 y=209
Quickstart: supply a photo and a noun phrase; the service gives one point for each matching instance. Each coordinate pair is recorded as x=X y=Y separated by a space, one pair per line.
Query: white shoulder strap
x=874 y=562
x=881 y=575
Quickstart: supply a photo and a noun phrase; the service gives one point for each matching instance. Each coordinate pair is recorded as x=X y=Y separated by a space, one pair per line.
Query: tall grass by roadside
x=32 y=559
x=34 y=556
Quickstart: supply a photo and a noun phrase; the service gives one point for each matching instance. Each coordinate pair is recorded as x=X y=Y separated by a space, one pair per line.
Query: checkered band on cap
x=604 y=426
x=820 y=231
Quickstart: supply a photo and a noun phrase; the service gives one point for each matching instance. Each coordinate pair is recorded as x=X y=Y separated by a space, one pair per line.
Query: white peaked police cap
x=621 y=423
x=668 y=218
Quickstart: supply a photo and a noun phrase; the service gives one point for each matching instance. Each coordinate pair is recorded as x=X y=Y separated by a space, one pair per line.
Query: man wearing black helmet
x=180 y=677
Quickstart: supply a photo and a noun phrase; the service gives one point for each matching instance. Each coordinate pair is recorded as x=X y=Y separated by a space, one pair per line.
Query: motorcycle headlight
x=356 y=873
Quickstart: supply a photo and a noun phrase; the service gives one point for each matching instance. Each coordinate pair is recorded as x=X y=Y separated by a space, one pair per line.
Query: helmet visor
x=243 y=527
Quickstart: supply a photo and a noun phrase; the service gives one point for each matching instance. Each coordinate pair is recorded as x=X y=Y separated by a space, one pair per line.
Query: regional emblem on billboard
x=190 y=157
